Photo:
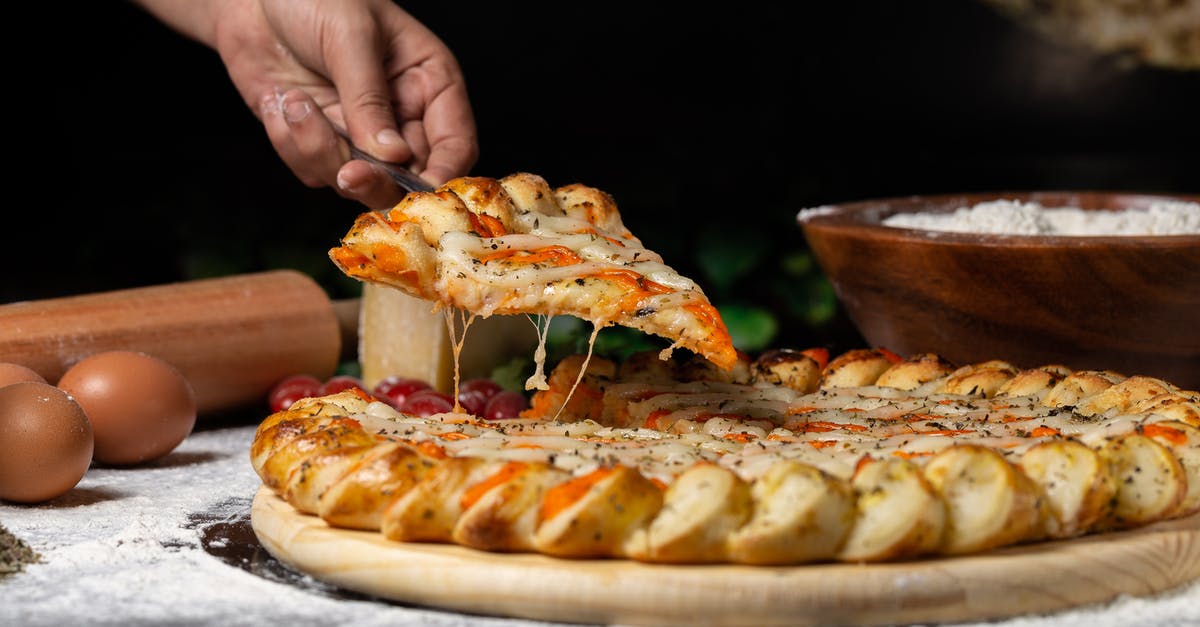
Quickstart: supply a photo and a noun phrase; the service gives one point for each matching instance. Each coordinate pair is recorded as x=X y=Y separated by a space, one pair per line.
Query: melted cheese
x=830 y=439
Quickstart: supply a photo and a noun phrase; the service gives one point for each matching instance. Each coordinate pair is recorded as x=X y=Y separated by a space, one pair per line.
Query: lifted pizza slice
x=517 y=246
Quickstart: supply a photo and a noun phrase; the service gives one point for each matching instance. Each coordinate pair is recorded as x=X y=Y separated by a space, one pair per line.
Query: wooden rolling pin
x=233 y=338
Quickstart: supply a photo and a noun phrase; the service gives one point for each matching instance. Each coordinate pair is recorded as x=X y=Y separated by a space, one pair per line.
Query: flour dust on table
x=163 y=545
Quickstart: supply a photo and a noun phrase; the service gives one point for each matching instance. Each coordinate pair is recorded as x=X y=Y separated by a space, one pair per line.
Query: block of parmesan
x=402 y=335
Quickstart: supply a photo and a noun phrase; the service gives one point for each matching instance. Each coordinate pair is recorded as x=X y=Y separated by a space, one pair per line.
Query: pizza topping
x=515 y=245
x=1172 y=435
x=475 y=492
x=546 y=255
x=706 y=470
x=563 y=495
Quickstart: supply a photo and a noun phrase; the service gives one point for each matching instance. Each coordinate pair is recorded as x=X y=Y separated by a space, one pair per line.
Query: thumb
x=357 y=74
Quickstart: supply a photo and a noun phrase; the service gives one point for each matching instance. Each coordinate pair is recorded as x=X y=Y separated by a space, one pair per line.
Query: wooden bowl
x=1130 y=304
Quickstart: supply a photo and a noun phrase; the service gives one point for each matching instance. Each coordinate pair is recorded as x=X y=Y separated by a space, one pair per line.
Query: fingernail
x=268 y=105
x=294 y=111
x=388 y=136
x=343 y=183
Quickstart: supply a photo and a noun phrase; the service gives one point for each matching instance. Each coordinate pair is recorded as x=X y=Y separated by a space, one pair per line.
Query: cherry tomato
x=339 y=383
x=291 y=389
x=427 y=403
x=486 y=386
x=474 y=394
x=504 y=405
x=395 y=389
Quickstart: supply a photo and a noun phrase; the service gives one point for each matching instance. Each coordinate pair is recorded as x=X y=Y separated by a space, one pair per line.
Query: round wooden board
x=1018 y=580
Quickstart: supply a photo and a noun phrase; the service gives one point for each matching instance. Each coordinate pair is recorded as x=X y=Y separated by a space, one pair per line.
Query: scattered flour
x=123 y=549
x=1008 y=217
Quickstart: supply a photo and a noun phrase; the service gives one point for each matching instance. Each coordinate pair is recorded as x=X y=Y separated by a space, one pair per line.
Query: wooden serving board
x=1033 y=578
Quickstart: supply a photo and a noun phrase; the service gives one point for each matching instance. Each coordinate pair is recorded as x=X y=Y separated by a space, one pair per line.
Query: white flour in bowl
x=1009 y=217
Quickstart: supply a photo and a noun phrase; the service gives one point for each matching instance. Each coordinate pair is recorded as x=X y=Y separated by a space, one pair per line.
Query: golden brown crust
x=789 y=368
x=983 y=379
x=517 y=246
x=966 y=489
x=856 y=368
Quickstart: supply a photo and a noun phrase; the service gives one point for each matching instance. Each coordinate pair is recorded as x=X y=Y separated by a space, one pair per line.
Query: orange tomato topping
x=634 y=283
x=1170 y=434
x=453 y=435
x=946 y=431
x=652 y=419
x=362 y=394
x=908 y=455
x=389 y=258
x=554 y=255
x=350 y=260
x=564 y=494
x=351 y=423
x=892 y=357
x=819 y=355
x=820 y=444
x=707 y=314
x=820 y=426
x=1043 y=432
x=432 y=450
x=487 y=226
x=476 y=492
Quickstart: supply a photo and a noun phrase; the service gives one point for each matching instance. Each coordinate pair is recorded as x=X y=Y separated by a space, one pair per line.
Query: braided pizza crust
x=515 y=245
x=781 y=462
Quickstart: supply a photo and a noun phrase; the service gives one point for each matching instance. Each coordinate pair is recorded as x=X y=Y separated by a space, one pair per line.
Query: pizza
x=514 y=245
x=785 y=459
x=708 y=454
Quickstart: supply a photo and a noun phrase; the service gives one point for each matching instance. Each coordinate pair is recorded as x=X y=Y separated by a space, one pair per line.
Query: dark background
x=705 y=125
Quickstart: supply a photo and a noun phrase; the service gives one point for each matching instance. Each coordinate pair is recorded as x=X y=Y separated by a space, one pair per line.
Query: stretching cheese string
x=456 y=342
x=582 y=370
x=537 y=381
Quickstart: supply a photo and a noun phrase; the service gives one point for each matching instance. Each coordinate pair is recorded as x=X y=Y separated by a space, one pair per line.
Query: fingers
x=361 y=181
x=303 y=137
x=307 y=143
x=356 y=68
x=449 y=126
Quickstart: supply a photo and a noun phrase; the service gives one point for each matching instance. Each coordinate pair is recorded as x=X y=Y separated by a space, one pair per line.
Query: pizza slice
x=516 y=246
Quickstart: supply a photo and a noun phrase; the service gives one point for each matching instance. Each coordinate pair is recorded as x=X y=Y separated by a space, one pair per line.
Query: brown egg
x=15 y=373
x=140 y=406
x=45 y=442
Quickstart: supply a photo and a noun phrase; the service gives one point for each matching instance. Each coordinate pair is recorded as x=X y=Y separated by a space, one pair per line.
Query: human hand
x=365 y=65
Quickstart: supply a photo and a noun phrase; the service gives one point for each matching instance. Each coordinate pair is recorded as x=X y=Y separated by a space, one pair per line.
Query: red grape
x=341 y=382
x=395 y=389
x=291 y=389
x=474 y=394
x=504 y=405
x=427 y=403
